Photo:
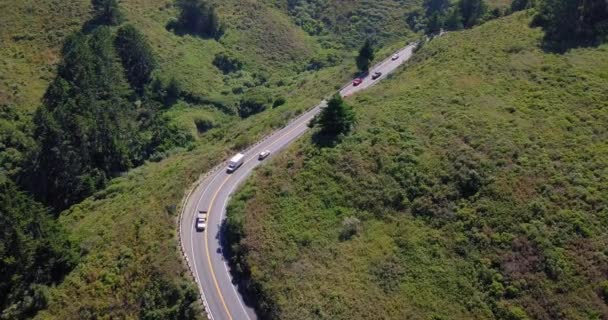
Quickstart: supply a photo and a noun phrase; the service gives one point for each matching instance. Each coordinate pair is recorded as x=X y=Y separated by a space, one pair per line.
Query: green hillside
x=120 y=242
x=473 y=187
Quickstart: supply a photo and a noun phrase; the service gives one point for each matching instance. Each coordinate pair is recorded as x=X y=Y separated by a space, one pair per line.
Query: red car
x=357 y=82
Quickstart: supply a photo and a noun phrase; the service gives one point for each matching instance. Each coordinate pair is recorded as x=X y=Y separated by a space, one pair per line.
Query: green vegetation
x=350 y=23
x=337 y=118
x=439 y=14
x=472 y=187
x=88 y=129
x=573 y=23
x=136 y=55
x=107 y=12
x=365 y=57
x=119 y=96
x=34 y=253
x=198 y=17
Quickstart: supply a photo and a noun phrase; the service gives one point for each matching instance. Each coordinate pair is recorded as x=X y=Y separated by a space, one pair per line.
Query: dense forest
x=35 y=253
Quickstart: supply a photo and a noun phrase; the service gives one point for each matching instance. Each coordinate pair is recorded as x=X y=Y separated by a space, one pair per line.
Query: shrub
x=279 y=102
x=254 y=102
x=350 y=227
x=226 y=63
x=197 y=17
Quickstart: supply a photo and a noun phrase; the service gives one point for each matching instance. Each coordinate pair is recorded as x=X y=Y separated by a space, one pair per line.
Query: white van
x=235 y=162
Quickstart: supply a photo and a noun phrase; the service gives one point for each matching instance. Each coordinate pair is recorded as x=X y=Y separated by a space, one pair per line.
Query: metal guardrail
x=204 y=176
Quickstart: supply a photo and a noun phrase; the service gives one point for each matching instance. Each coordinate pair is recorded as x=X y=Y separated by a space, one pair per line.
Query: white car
x=263 y=155
x=395 y=57
x=201 y=221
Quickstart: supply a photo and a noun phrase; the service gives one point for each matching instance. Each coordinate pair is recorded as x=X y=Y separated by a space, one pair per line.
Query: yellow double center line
x=217 y=287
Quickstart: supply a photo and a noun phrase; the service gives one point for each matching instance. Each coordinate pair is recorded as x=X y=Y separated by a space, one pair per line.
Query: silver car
x=263 y=155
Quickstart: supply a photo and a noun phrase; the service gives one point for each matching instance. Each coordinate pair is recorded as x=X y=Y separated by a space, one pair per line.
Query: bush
x=226 y=63
x=254 y=102
x=350 y=227
x=279 y=102
x=203 y=125
x=197 y=17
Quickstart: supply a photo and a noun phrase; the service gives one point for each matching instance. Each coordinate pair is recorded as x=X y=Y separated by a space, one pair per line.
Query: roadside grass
x=473 y=183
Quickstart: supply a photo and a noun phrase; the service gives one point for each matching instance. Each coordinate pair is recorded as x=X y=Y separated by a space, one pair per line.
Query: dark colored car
x=376 y=75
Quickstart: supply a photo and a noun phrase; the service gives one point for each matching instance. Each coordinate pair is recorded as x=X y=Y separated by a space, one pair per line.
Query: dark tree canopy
x=518 y=5
x=136 y=55
x=35 y=252
x=472 y=12
x=198 y=17
x=436 y=6
x=89 y=130
x=84 y=131
x=570 y=23
x=107 y=12
x=337 y=118
x=365 y=57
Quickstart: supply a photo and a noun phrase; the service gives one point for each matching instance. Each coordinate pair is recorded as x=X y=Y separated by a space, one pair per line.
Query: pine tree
x=337 y=118
x=199 y=18
x=365 y=57
x=107 y=12
x=472 y=12
x=136 y=55
x=573 y=22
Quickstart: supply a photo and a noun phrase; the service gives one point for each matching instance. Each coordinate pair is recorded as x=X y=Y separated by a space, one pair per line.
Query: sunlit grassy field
x=471 y=188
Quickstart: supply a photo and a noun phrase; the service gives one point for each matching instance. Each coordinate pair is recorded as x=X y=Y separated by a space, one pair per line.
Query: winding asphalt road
x=204 y=249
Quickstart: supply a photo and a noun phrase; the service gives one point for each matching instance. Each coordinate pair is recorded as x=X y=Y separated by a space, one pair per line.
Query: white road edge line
x=303 y=116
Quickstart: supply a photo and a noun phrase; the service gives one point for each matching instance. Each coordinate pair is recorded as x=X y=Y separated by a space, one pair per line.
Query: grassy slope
x=472 y=106
x=32 y=33
x=127 y=232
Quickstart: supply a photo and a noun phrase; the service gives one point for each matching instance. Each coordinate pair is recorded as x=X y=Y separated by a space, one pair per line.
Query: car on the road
x=376 y=75
x=357 y=82
x=263 y=155
x=395 y=57
x=201 y=221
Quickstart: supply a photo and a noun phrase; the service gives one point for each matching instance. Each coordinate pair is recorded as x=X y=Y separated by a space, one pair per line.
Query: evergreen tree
x=573 y=22
x=365 y=57
x=86 y=128
x=337 y=118
x=472 y=12
x=453 y=20
x=107 y=12
x=34 y=253
x=199 y=18
x=436 y=6
x=518 y=5
x=434 y=24
x=136 y=55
